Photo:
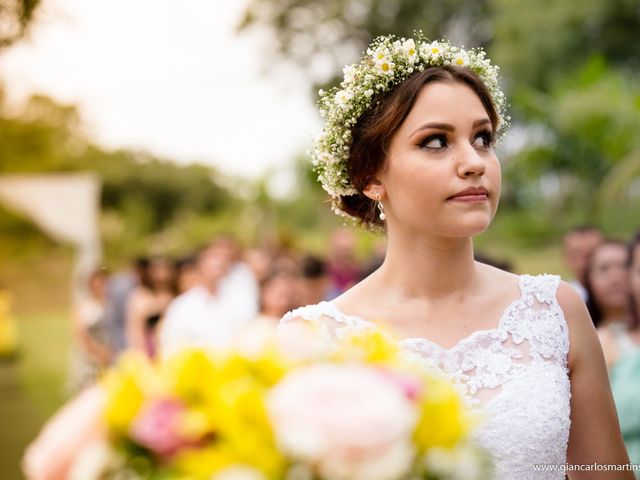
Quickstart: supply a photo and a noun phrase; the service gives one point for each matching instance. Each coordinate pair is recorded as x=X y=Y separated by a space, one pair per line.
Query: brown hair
x=595 y=310
x=376 y=127
x=633 y=246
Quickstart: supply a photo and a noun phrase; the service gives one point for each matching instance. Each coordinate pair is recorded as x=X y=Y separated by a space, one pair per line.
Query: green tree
x=535 y=42
x=141 y=195
x=587 y=137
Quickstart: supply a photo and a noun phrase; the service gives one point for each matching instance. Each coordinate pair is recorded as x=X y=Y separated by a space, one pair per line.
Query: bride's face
x=443 y=148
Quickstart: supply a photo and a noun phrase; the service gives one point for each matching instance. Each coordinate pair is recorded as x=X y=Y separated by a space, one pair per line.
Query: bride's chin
x=472 y=227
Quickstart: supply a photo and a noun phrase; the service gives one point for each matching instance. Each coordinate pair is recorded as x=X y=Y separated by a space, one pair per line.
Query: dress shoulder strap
x=310 y=313
x=333 y=323
x=320 y=312
x=538 y=318
x=543 y=288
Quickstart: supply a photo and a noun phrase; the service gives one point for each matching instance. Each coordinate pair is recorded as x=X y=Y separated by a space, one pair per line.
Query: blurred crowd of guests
x=160 y=305
x=607 y=274
x=207 y=298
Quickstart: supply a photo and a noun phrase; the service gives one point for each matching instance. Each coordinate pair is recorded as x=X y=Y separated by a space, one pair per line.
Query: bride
x=408 y=147
x=411 y=150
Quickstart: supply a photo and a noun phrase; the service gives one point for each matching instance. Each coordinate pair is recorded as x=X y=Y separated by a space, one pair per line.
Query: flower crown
x=387 y=62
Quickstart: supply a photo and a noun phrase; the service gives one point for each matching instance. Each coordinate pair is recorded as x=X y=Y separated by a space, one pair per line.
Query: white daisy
x=349 y=72
x=343 y=97
x=460 y=59
x=409 y=48
x=385 y=65
x=380 y=54
x=434 y=50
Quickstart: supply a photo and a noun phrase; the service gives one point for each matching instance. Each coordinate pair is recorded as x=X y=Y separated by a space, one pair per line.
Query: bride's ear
x=375 y=190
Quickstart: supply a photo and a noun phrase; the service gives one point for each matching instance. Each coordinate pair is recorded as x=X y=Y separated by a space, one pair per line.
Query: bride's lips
x=471 y=195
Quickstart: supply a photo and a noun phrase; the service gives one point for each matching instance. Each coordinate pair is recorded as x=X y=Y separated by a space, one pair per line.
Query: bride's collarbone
x=445 y=324
x=446 y=327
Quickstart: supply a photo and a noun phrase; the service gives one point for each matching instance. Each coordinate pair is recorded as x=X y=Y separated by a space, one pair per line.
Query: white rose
x=350 y=421
x=239 y=472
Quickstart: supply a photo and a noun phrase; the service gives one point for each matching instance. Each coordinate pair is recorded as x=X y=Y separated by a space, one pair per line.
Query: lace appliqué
x=516 y=373
x=533 y=325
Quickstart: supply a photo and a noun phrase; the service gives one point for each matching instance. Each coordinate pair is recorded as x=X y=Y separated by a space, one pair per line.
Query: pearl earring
x=382 y=216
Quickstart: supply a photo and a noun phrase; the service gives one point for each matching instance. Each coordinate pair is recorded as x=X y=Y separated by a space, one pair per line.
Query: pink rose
x=156 y=427
x=349 y=420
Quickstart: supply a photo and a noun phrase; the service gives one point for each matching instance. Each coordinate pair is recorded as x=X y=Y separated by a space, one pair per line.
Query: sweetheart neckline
x=418 y=340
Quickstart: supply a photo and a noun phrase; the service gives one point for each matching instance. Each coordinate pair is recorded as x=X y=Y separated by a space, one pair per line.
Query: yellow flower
x=125 y=392
x=195 y=423
x=192 y=375
x=444 y=420
x=8 y=328
x=370 y=346
x=203 y=463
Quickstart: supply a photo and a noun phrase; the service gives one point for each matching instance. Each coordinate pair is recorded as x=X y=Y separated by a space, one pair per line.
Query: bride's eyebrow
x=448 y=127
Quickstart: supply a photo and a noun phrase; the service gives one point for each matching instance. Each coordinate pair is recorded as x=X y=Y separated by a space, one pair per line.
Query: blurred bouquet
x=283 y=406
x=8 y=330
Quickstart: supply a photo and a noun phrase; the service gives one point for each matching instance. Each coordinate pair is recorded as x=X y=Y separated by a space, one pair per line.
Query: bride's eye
x=434 y=142
x=483 y=139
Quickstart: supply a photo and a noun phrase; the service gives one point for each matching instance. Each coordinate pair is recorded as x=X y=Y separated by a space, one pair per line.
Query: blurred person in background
x=624 y=354
x=239 y=287
x=147 y=304
x=259 y=261
x=314 y=281
x=211 y=313
x=279 y=293
x=119 y=288
x=187 y=273
x=607 y=284
x=377 y=258
x=578 y=244
x=344 y=269
x=91 y=352
x=494 y=262
x=285 y=262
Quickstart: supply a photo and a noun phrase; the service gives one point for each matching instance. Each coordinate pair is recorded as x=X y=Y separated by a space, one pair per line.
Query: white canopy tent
x=66 y=206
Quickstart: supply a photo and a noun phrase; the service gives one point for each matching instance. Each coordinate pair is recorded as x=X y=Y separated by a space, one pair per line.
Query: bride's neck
x=428 y=267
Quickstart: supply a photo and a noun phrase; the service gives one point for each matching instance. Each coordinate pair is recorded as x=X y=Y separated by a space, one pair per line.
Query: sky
x=169 y=77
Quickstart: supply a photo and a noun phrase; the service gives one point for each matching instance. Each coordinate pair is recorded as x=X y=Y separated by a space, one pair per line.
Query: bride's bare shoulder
x=499 y=282
x=357 y=297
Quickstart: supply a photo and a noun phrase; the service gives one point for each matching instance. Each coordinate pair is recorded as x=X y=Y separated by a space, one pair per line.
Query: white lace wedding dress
x=516 y=374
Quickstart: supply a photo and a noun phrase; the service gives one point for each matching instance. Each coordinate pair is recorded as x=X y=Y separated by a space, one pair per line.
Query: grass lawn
x=32 y=385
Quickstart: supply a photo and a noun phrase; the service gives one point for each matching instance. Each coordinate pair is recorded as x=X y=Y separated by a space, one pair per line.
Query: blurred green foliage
x=149 y=204
x=534 y=42
x=570 y=71
x=15 y=17
x=141 y=195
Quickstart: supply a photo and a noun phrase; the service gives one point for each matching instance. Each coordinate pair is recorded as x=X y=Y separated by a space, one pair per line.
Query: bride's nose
x=469 y=163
